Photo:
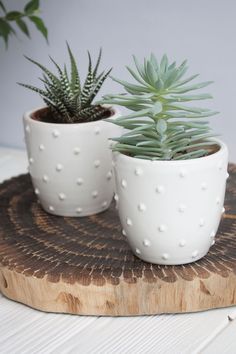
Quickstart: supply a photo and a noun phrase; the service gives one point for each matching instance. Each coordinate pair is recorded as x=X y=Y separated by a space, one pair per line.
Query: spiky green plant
x=163 y=126
x=68 y=101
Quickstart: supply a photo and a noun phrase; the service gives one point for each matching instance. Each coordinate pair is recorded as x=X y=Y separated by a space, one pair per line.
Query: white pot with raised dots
x=170 y=210
x=71 y=164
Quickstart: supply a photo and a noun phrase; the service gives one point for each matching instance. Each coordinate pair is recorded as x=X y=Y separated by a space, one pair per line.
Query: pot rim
x=222 y=149
x=27 y=116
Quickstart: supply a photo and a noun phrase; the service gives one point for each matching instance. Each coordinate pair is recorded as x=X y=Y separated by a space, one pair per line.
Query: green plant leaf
x=191 y=88
x=5 y=30
x=75 y=79
x=156 y=108
x=164 y=63
x=133 y=88
x=180 y=83
x=139 y=68
x=23 y=26
x=52 y=77
x=98 y=86
x=33 y=88
x=161 y=126
x=97 y=63
x=2 y=7
x=13 y=15
x=40 y=26
x=186 y=98
x=151 y=73
x=31 y=7
x=137 y=78
x=154 y=62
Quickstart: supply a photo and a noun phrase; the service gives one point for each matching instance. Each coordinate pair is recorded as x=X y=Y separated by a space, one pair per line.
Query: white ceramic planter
x=170 y=210
x=71 y=165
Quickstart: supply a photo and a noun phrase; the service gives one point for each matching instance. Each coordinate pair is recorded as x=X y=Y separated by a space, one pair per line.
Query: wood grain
x=85 y=266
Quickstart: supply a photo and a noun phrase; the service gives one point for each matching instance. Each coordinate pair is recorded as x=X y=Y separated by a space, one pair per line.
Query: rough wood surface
x=85 y=266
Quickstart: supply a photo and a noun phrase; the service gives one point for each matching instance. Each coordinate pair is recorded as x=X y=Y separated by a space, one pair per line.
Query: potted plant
x=170 y=170
x=67 y=142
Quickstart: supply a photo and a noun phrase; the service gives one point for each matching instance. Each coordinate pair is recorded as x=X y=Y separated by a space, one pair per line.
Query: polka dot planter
x=71 y=165
x=170 y=210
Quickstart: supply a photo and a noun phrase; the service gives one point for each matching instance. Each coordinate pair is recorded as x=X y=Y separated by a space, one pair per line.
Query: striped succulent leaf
x=63 y=94
x=162 y=125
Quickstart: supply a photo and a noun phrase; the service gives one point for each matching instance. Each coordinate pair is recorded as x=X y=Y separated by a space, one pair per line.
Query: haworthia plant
x=70 y=101
x=163 y=125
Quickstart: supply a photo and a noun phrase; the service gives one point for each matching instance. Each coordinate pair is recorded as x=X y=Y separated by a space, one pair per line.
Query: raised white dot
x=59 y=167
x=45 y=178
x=138 y=171
x=160 y=189
x=94 y=194
x=201 y=222
x=129 y=222
x=223 y=210
x=116 y=197
x=80 y=181
x=78 y=210
x=227 y=175
x=109 y=175
x=182 y=208
x=97 y=163
x=165 y=256
x=218 y=200
x=195 y=254
x=41 y=147
x=61 y=196
x=146 y=242
x=182 y=243
x=137 y=250
x=104 y=204
x=203 y=186
x=55 y=133
x=123 y=183
x=36 y=191
x=213 y=242
x=51 y=208
x=212 y=234
x=27 y=128
x=220 y=165
x=124 y=232
x=162 y=228
x=31 y=160
x=142 y=207
x=97 y=130
x=182 y=173
x=76 y=150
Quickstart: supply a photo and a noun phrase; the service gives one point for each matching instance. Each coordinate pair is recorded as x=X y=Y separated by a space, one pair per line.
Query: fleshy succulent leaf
x=75 y=79
x=160 y=126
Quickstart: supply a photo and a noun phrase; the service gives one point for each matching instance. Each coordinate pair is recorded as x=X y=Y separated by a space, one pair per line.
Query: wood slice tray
x=85 y=266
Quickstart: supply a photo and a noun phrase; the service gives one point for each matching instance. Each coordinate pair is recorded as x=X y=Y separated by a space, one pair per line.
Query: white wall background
x=202 y=31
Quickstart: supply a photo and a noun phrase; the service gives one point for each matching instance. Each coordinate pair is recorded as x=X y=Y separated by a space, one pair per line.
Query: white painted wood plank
x=25 y=331
x=181 y=333
x=225 y=342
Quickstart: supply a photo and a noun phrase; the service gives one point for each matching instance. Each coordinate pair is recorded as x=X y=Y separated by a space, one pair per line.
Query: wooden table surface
x=24 y=330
